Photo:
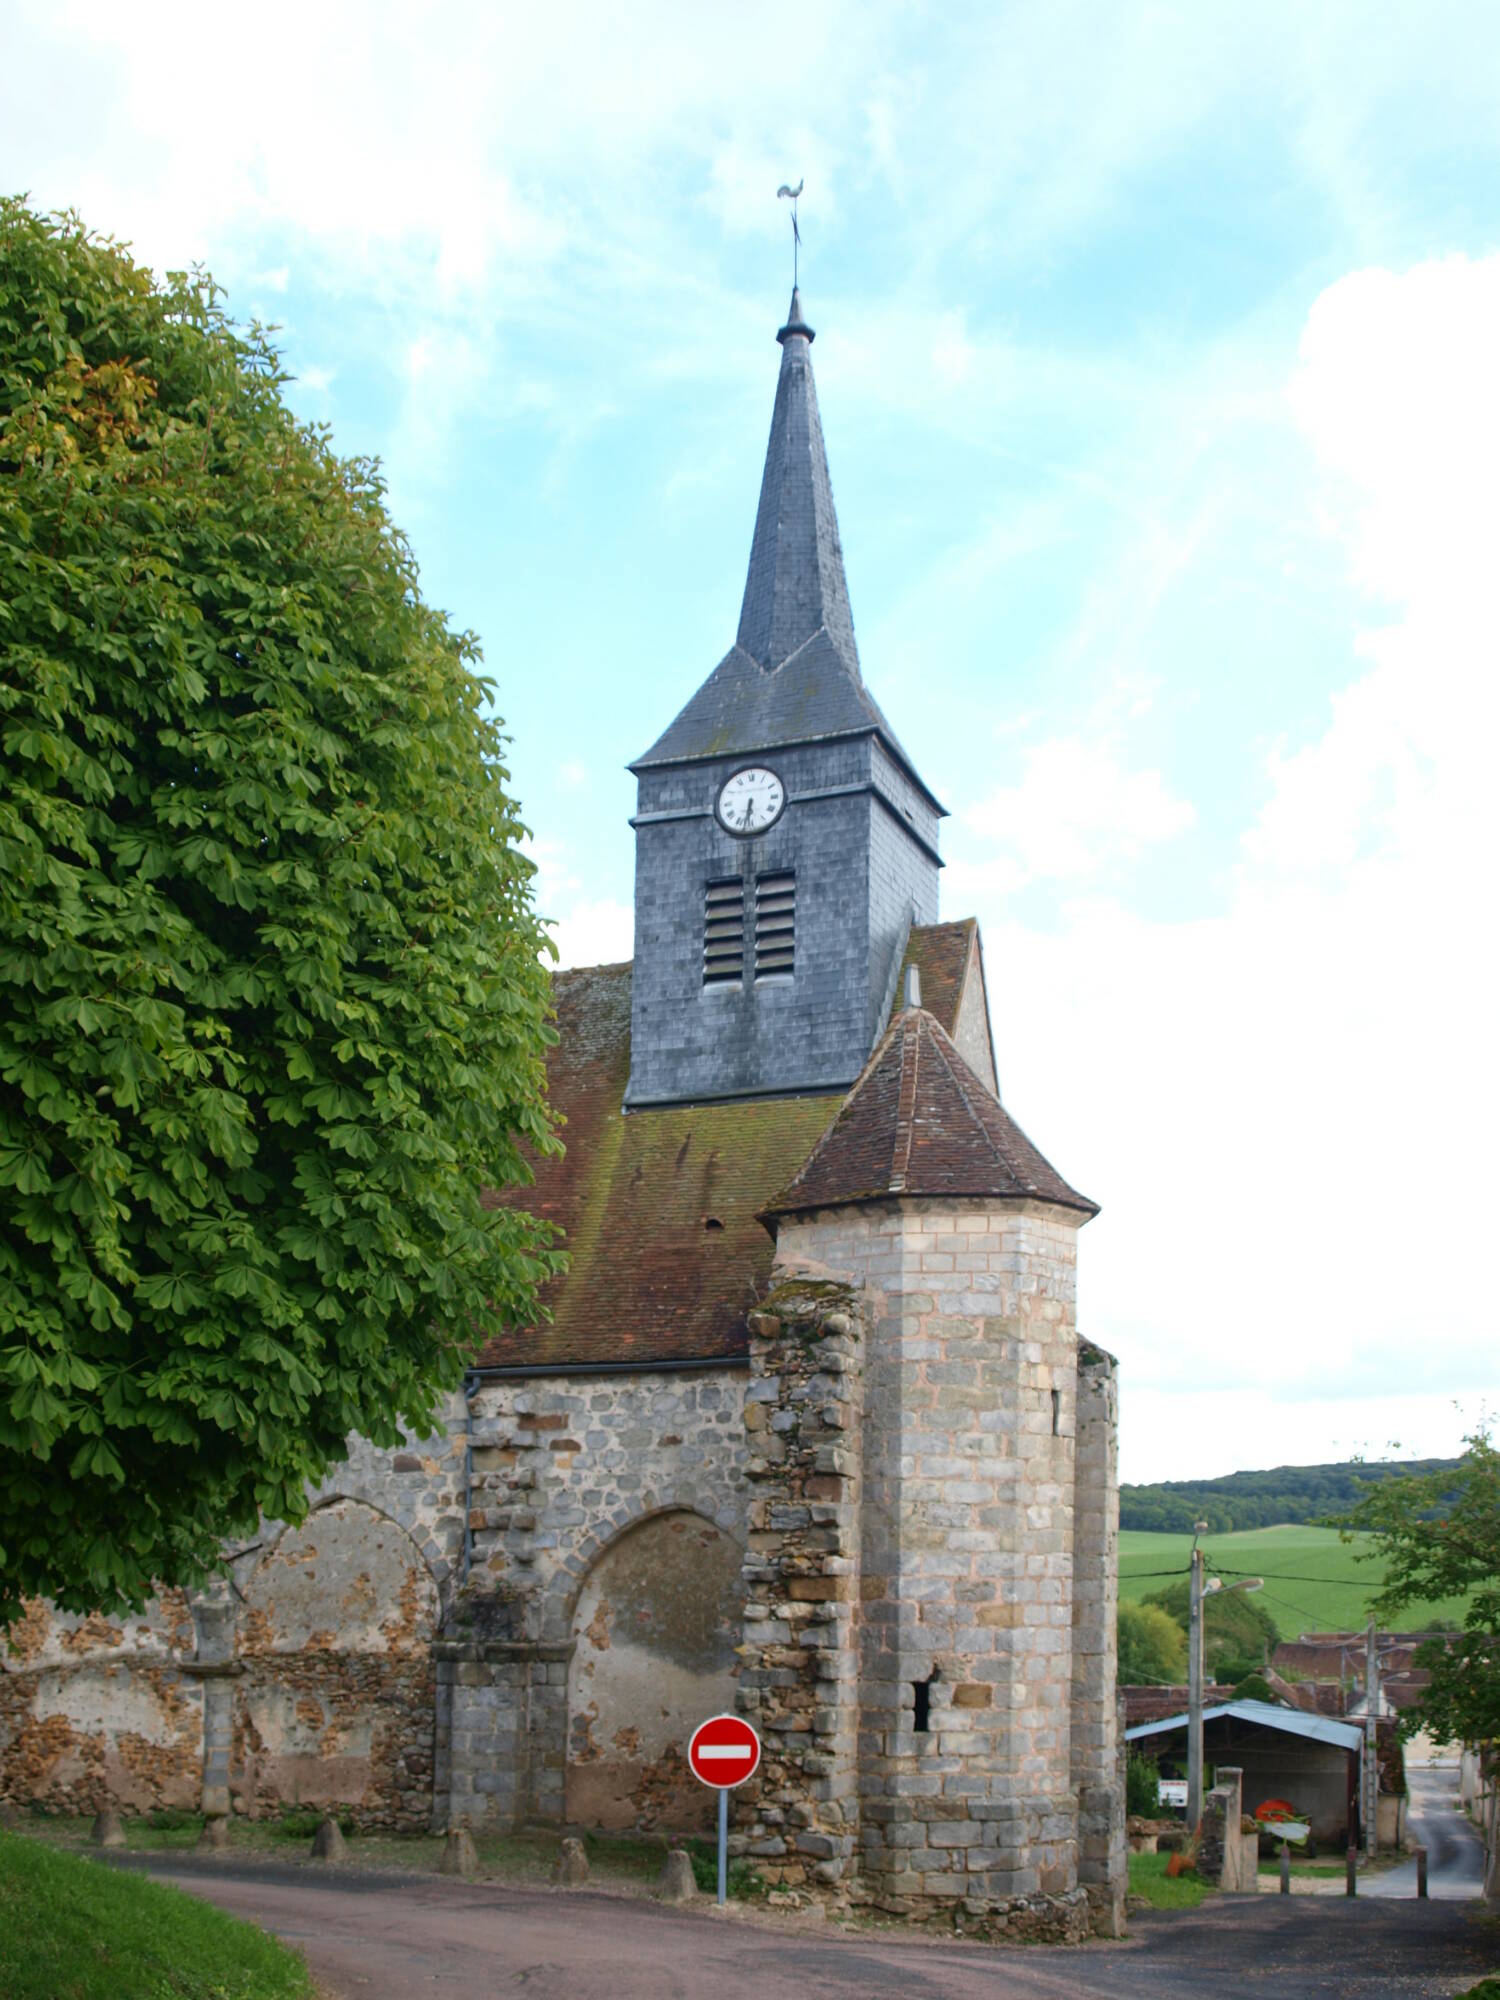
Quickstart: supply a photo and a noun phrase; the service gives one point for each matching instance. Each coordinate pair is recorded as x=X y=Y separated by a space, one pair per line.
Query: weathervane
x=785 y=193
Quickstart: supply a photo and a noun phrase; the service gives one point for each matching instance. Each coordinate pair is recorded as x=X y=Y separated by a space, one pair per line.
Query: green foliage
x=1241 y=1500
x=1141 y=1785
x=1148 y=1878
x=71 y=1929
x=742 y=1880
x=1438 y=1536
x=1153 y=1646
x=1235 y=1624
x=272 y=1011
x=1254 y=1687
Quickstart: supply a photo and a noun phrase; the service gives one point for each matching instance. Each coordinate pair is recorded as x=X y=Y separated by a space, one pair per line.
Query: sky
x=1157 y=361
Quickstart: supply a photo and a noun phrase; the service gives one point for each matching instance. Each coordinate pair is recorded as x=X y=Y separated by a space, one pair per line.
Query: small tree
x=1238 y=1631
x=1153 y=1646
x=272 y=1012
x=1438 y=1536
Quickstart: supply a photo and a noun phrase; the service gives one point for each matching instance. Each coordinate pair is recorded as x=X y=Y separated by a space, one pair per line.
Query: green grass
x=72 y=1929
x=1149 y=1878
x=505 y=1857
x=1313 y=1581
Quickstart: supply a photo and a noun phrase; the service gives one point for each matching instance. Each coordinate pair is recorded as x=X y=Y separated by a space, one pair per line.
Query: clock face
x=751 y=800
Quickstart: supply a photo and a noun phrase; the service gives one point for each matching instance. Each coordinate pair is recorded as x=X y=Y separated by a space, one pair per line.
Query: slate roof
x=919 y=1122
x=792 y=675
x=650 y=1279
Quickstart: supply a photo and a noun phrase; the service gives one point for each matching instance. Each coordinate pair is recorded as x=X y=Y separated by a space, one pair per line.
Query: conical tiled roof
x=920 y=1122
x=792 y=675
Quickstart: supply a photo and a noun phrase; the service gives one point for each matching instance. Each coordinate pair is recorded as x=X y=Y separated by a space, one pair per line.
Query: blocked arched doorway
x=655 y=1628
x=334 y=1706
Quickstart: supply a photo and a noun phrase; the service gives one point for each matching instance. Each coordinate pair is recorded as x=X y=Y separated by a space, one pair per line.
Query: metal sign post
x=723 y=1752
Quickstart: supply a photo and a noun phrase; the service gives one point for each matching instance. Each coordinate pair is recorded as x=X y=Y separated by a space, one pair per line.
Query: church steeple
x=785 y=844
x=792 y=675
x=795 y=585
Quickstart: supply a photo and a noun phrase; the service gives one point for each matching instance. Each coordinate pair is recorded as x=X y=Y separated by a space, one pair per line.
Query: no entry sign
x=723 y=1752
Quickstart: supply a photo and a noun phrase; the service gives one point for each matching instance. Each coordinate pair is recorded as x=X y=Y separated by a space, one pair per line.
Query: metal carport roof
x=1290 y=1721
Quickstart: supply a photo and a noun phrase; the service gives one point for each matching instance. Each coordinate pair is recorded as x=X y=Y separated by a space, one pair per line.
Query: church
x=810 y=1432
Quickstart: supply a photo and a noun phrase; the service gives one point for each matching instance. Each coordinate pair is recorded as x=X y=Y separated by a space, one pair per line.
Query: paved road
x=1455 y=1853
x=389 y=1937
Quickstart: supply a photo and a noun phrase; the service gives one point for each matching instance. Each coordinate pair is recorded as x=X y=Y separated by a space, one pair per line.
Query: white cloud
x=594 y=933
x=1078 y=808
x=1288 y=1107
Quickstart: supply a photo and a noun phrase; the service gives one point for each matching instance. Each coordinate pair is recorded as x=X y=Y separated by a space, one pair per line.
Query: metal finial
x=785 y=193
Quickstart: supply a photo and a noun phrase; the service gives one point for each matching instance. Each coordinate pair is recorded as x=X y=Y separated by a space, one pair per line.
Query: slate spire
x=796 y=584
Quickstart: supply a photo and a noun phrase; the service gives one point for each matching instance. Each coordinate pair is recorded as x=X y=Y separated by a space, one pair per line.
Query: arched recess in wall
x=655 y=1627
x=335 y=1703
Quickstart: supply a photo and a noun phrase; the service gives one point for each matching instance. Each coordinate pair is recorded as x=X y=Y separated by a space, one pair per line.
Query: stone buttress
x=910 y=1586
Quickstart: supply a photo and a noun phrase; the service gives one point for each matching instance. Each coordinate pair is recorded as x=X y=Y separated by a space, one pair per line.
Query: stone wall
x=1226 y=1854
x=562 y=1468
x=98 y=1711
x=1095 y=1731
x=962 y=1473
x=333 y=1703
x=799 y=1820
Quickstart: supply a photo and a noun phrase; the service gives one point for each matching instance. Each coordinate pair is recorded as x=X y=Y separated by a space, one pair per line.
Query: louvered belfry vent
x=775 y=925
x=724 y=933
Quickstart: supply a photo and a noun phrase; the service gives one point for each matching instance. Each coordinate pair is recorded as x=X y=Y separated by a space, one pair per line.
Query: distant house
x=1311 y=1761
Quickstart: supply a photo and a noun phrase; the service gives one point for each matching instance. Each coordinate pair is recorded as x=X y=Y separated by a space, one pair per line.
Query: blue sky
x=1156 y=358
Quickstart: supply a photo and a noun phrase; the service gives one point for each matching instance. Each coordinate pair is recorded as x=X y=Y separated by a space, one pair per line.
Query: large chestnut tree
x=273 y=1012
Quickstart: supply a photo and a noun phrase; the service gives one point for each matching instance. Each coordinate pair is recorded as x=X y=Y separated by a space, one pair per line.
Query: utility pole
x=1195 y=1685
x=1372 y=1763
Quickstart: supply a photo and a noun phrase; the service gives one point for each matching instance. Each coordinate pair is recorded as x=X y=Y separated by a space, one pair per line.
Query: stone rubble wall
x=101 y=1711
x=798 y=1820
x=1096 y=1737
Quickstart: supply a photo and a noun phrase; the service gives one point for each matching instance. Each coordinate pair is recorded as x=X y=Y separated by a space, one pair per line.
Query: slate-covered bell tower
x=784 y=842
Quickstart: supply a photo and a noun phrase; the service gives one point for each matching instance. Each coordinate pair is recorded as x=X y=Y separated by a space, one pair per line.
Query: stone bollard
x=215 y=1835
x=1351 y=1862
x=328 y=1842
x=571 y=1866
x=459 y=1855
x=676 y=1884
x=1421 y=1871
x=107 y=1830
x=1286 y=1869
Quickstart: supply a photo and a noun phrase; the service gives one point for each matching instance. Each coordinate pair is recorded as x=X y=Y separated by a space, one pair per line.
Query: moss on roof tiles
x=658 y=1208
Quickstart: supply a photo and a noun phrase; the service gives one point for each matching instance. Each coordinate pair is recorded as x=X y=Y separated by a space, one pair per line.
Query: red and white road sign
x=723 y=1752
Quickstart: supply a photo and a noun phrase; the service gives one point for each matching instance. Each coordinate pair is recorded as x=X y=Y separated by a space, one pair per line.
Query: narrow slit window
x=921 y=1701
x=775 y=925
x=1056 y=1410
x=724 y=933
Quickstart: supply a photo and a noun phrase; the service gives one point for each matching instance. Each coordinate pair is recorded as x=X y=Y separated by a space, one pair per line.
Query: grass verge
x=1149 y=1878
x=615 y=1860
x=71 y=1929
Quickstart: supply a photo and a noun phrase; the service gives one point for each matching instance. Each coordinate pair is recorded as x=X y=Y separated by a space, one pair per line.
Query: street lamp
x=1198 y=1589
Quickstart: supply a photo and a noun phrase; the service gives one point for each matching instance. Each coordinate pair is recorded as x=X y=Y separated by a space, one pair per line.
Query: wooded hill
x=1239 y=1500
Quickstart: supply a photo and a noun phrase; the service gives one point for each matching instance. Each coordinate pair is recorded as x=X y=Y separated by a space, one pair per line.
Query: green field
x=1313 y=1581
